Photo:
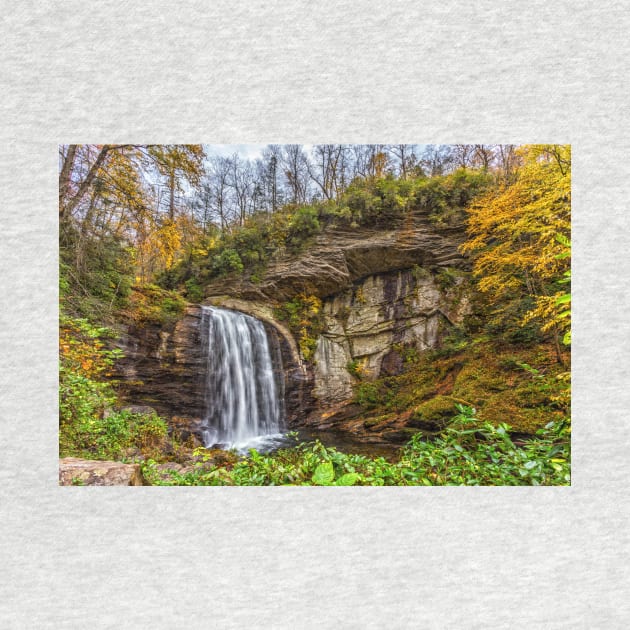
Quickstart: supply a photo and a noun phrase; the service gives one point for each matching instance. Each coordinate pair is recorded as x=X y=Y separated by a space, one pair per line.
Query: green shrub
x=506 y=323
x=194 y=292
x=444 y=198
x=368 y=395
x=304 y=224
x=87 y=427
x=98 y=282
x=113 y=436
x=228 y=261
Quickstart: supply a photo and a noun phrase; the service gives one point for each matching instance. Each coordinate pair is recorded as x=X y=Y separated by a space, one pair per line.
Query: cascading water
x=244 y=407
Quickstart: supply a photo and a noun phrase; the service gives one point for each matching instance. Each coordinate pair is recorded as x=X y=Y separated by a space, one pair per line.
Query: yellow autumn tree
x=518 y=236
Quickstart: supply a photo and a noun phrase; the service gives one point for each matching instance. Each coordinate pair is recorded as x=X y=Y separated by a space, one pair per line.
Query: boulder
x=86 y=472
x=433 y=415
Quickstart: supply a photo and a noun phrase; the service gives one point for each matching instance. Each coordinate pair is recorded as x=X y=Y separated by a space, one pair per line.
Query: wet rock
x=164 y=372
x=399 y=436
x=392 y=364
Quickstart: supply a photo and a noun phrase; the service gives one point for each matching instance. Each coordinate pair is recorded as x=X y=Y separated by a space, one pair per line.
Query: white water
x=243 y=404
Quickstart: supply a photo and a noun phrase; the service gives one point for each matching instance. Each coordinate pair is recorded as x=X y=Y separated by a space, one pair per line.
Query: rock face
x=370 y=327
x=84 y=472
x=164 y=367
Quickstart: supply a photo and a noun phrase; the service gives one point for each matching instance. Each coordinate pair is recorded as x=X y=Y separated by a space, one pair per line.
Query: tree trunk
x=67 y=206
x=171 y=203
x=64 y=176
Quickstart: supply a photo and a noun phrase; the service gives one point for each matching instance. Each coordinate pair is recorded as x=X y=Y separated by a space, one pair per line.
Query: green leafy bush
x=304 y=224
x=87 y=427
x=446 y=197
x=368 y=395
x=194 y=292
x=113 y=436
x=99 y=281
x=228 y=261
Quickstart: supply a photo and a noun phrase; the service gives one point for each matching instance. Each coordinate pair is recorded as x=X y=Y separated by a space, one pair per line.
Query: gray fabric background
x=307 y=72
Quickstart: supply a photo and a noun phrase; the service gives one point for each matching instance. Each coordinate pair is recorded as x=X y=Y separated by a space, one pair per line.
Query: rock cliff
x=384 y=294
x=370 y=327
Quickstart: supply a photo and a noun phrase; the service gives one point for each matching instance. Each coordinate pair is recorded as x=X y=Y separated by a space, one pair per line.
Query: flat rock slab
x=87 y=472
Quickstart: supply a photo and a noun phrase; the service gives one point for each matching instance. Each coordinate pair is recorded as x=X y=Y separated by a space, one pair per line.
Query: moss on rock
x=433 y=415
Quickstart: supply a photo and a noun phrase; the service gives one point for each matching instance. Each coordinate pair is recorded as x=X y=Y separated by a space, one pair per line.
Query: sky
x=249 y=151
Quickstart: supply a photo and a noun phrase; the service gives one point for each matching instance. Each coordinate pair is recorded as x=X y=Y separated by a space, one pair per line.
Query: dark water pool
x=343 y=442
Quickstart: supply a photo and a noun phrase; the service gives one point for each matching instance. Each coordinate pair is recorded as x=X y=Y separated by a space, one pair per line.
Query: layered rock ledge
x=338 y=258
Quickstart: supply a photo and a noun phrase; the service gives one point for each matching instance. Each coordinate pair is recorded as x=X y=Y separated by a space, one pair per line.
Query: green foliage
x=368 y=395
x=324 y=474
x=447 y=278
x=468 y=452
x=506 y=322
x=113 y=436
x=306 y=320
x=228 y=261
x=445 y=198
x=86 y=428
x=303 y=225
x=150 y=304
x=384 y=394
x=194 y=292
x=375 y=202
x=95 y=277
x=82 y=401
x=563 y=318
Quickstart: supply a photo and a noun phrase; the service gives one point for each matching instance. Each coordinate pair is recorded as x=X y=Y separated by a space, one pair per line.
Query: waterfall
x=244 y=406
